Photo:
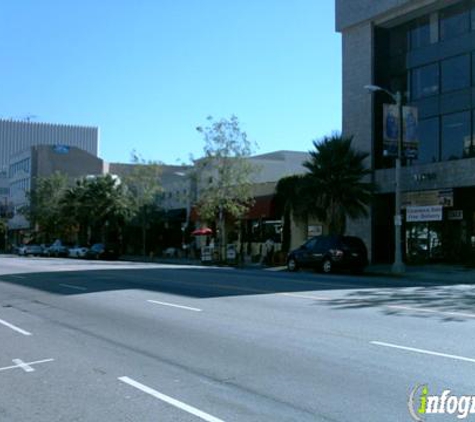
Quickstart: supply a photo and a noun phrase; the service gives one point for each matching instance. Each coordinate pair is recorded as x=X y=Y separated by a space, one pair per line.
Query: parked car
x=32 y=249
x=57 y=248
x=328 y=253
x=102 y=251
x=78 y=251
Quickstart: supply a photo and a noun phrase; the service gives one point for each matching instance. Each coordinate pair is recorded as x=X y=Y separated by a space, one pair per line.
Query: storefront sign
x=231 y=252
x=315 y=231
x=455 y=215
x=443 y=197
x=420 y=214
x=206 y=253
x=61 y=149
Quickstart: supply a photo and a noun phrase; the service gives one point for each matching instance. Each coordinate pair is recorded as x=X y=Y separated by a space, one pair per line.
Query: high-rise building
x=18 y=136
x=425 y=51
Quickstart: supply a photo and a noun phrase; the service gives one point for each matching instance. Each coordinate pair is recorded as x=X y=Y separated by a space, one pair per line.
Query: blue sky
x=147 y=72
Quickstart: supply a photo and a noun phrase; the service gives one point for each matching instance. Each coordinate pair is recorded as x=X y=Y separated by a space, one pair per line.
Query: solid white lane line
x=167 y=399
x=23 y=365
x=175 y=306
x=305 y=296
x=432 y=311
x=422 y=351
x=70 y=286
x=14 y=328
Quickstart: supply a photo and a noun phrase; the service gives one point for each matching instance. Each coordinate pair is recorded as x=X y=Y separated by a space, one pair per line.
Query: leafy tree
x=45 y=206
x=100 y=206
x=224 y=174
x=337 y=185
x=144 y=187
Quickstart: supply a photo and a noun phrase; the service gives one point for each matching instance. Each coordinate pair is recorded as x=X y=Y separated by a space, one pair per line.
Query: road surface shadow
x=444 y=302
x=216 y=282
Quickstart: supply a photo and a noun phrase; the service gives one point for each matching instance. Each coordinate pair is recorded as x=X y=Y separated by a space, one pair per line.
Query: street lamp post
x=398 y=266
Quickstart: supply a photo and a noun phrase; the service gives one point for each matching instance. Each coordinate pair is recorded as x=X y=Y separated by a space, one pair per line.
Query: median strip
x=422 y=351
x=167 y=399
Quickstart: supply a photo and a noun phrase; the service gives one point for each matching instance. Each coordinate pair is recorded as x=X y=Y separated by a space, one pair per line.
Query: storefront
x=438 y=226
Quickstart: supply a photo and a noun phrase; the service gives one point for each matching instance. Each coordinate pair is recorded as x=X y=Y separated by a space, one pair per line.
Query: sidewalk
x=457 y=274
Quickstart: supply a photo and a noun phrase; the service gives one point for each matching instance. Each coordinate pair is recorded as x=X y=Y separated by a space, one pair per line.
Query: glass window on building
x=425 y=81
x=472 y=16
x=455 y=73
x=473 y=69
x=398 y=41
x=419 y=34
x=454 y=21
x=456 y=133
x=429 y=141
x=469 y=147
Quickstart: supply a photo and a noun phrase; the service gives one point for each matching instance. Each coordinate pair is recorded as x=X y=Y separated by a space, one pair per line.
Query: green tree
x=224 y=175
x=99 y=205
x=144 y=186
x=44 y=211
x=337 y=185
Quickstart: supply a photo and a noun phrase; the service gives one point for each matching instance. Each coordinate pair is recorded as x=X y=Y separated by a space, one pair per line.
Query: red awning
x=264 y=207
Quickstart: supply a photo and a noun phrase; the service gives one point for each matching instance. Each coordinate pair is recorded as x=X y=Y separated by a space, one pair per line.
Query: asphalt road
x=93 y=341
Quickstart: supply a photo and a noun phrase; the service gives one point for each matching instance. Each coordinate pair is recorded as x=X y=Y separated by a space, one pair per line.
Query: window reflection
x=454 y=21
x=419 y=34
x=455 y=73
x=425 y=81
x=455 y=135
x=428 y=134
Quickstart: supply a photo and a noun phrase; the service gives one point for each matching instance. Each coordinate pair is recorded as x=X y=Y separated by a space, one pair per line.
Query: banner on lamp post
x=410 y=145
x=390 y=129
x=410 y=132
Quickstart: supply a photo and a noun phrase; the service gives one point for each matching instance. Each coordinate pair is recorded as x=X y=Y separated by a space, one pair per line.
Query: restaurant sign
x=444 y=197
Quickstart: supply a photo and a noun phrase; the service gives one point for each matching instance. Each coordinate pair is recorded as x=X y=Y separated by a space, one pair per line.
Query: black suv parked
x=328 y=253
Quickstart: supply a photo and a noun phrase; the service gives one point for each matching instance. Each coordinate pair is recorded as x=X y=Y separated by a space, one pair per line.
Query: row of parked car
x=58 y=249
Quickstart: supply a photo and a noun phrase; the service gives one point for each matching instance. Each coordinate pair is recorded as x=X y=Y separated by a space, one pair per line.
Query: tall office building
x=425 y=50
x=18 y=136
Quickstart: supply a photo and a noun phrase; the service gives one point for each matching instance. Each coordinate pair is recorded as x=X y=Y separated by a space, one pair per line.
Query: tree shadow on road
x=394 y=296
x=444 y=302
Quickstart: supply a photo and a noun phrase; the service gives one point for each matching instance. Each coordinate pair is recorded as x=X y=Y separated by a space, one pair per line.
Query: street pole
x=222 y=246
x=398 y=266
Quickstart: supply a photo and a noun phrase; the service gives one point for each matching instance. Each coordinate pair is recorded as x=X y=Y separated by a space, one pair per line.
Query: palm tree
x=291 y=197
x=338 y=182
